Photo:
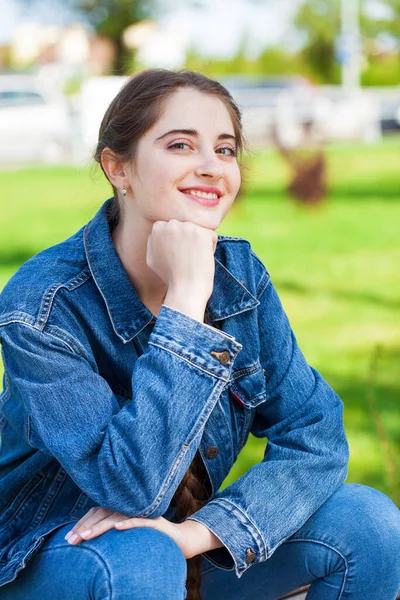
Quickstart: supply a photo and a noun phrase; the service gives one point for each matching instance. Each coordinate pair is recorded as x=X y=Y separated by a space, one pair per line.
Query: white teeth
x=201 y=194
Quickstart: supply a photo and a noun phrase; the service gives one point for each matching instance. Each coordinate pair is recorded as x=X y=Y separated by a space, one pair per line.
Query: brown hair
x=134 y=110
x=138 y=106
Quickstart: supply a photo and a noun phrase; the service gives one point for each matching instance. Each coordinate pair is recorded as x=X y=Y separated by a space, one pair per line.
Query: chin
x=209 y=221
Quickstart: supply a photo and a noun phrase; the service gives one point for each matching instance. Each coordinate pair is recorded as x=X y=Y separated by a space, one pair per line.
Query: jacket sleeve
x=305 y=458
x=125 y=459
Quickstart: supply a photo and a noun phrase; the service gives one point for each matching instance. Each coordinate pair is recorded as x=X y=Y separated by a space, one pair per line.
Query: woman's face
x=185 y=166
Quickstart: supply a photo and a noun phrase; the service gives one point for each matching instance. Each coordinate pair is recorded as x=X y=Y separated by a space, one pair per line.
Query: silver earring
x=123 y=190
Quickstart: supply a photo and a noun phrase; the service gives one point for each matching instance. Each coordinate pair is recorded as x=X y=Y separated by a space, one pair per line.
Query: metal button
x=223 y=356
x=212 y=451
x=250 y=556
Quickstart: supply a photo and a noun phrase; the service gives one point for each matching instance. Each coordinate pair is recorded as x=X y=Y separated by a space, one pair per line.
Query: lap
x=132 y=564
x=353 y=538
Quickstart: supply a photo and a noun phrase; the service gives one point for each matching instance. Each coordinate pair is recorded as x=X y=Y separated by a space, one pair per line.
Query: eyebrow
x=193 y=132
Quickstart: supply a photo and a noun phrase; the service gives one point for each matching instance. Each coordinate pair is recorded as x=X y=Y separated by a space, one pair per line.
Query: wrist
x=186 y=302
x=198 y=538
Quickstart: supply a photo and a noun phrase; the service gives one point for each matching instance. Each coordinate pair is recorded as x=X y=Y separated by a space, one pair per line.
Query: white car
x=34 y=121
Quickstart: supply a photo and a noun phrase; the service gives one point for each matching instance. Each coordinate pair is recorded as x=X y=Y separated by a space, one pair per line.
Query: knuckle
x=120 y=515
x=94 y=510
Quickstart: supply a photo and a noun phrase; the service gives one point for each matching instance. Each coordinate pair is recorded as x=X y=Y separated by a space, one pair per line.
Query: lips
x=203 y=198
x=202 y=191
x=202 y=194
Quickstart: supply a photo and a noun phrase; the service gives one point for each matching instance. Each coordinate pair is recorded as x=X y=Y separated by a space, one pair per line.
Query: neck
x=130 y=240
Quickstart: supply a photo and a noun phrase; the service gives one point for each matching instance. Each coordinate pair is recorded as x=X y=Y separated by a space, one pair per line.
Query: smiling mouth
x=206 y=199
x=200 y=194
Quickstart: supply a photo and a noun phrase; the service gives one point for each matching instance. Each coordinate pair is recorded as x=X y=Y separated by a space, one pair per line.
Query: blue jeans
x=349 y=549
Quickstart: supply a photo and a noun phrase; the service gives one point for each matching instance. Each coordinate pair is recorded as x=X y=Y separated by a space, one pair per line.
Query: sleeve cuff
x=239 y=536
x=206 y=347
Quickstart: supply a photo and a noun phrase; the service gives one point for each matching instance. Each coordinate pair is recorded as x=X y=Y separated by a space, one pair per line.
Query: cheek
x=163 y=174
x=235 y=179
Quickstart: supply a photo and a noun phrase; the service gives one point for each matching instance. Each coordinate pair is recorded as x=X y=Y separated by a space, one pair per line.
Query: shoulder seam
x=47 y=302
x=47 y=333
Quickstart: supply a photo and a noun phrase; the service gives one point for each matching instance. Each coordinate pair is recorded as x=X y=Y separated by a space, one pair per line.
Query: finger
x=89 y=516
x=100 y=527
x=88 y=524
x=138 y=522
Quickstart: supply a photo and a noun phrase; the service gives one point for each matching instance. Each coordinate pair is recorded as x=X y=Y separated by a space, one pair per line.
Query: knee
x=370 y=521
x=142 y=563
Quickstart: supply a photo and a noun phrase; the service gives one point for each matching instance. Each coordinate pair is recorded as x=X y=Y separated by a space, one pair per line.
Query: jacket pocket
x=248 y=386
x=22 y=500
x=246 y=392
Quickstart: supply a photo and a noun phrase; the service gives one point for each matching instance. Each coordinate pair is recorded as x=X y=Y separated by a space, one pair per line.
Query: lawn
x=335 y=268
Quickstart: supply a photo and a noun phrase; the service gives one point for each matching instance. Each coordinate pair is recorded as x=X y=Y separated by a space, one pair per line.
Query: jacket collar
x=127 y=312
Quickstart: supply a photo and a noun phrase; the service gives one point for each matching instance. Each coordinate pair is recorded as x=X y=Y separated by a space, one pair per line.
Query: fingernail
x=119 y=524
x=73 y=539
x=68 y=535
x=86 y=533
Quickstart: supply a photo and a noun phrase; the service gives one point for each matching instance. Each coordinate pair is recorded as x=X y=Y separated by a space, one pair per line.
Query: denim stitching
x=50 y=294
x=16 y=317
x=63 y=336
x=260 y=540
x=22 y=498
x=246 y=370
x=79 y=503
x=93 y=271
x=236 y=280
x=246 y=427
x=50 y=497
x=219 y=332
x=229 y=429
x=264 y=283
x=177 y=463
x=87 y=549
x=231 y=238
x=331 y=548
x=44 y=333
x=183 y=357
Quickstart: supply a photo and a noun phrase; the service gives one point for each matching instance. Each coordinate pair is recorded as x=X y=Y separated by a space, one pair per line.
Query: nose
x=210 y=166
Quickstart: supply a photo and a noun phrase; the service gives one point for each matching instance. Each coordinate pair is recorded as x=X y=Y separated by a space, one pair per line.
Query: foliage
x=319 y=21
x=336 y=270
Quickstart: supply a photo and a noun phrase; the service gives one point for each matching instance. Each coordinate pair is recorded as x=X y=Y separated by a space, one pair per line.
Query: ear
x=115 y=169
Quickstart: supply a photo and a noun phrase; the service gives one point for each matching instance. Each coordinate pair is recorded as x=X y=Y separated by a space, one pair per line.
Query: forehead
x=188 y=108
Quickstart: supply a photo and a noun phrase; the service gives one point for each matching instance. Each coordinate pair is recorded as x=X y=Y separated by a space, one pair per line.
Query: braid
x=189 y=497
x=191 y=494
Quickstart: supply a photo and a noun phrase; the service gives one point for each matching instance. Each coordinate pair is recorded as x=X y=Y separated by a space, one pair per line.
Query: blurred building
x=61 y=52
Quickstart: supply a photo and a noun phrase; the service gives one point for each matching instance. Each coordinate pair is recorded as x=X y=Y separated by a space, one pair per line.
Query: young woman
x=139 y=354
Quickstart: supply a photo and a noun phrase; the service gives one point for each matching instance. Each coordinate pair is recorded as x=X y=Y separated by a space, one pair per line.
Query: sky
x=215 y=30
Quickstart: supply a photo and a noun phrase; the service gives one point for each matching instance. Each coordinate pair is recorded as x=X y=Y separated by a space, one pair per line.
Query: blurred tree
x=319 y=21
x=390 y=23
x=109 y=18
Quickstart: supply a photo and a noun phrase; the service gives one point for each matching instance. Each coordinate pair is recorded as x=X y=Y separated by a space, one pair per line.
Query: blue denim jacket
x=104 y=404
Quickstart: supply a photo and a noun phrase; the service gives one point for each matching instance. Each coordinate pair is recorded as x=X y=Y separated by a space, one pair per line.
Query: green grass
x=335 y=268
